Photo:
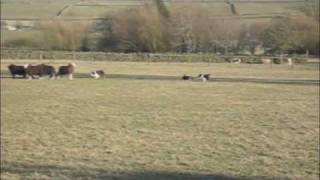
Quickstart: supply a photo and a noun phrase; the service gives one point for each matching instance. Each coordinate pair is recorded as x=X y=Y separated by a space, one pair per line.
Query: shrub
x=23 y=43
x=60 y=35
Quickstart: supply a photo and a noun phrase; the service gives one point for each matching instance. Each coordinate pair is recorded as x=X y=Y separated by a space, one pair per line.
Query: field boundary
x=217 y=17
x=5 y=75
x=33 y=54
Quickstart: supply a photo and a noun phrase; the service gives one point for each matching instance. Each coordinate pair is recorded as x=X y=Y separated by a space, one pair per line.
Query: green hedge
x=101 y=56
x=134 y=57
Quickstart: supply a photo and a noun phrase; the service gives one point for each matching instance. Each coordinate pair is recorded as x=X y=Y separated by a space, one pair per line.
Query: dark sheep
x=185 y=77
x=40 y=70
x=17 y=70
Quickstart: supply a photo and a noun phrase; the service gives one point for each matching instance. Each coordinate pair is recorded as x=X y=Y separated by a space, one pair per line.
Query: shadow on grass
x=5 y=74
x=55 y=171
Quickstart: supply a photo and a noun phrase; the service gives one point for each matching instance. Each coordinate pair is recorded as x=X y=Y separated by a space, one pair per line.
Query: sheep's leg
x=70 y=76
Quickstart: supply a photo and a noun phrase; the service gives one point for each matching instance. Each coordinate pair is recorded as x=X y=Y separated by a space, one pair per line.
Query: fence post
x=148 y=58
x=40 y=55
x=307 y=55
x=290 y=63
x=294 y=61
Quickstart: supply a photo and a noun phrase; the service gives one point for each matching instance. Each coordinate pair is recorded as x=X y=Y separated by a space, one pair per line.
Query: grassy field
x=31 y=9
x=256 y=8
x=307 y=71
x=143 y=129
x=31 y=36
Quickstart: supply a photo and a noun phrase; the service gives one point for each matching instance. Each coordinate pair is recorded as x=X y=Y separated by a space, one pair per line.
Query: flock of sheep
x=40 y=70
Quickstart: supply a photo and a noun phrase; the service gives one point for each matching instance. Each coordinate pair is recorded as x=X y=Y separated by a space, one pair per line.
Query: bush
x=60 y=35
x=252 y=60
x=276 y=60
x=23 y=43
x=299 y=60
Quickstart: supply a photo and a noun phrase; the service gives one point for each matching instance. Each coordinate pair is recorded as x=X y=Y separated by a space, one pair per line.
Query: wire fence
x=36 y=54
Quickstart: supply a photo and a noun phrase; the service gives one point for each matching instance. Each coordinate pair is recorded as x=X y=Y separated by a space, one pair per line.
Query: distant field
x=32 y=10
x=255 y=8
x=35 y=9
x=92 y=11
x=143 y=129
x=14 y=35
x=43 y=9
x=47 y=8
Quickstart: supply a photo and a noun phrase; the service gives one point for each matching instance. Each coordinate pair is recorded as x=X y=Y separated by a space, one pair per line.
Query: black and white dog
x=204 y=77
x=97 y=74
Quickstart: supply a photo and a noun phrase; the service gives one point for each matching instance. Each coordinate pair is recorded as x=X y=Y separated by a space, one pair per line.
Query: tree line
x=185 y=28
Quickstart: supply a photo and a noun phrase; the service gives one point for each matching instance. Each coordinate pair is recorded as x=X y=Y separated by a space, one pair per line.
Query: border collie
x=97 y=74
x=204 y=77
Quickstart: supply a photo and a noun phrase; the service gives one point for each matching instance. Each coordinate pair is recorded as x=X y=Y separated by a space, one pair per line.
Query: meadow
x=166 y=129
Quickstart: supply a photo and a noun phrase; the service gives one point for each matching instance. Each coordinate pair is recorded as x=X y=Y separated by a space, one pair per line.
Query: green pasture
x=31 y=37
x=145 y=129
x=268 y=8
x=32 y=10
x=92 y=11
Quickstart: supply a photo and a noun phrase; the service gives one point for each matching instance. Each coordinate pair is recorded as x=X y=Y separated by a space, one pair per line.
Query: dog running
x=97 y=74
x=204 y=77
